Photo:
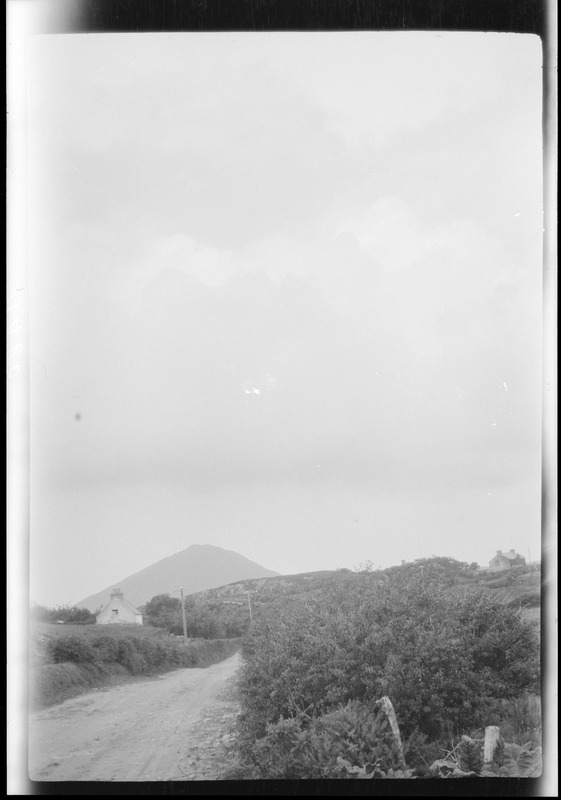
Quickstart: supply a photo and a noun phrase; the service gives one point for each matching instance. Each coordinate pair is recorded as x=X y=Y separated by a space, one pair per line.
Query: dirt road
x=167 y=728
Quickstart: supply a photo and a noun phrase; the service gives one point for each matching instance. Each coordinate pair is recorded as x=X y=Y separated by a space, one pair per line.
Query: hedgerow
x=66 y=664
x=139 y=655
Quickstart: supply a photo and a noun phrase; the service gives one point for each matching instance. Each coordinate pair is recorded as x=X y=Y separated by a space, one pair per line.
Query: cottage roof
x=119 y=596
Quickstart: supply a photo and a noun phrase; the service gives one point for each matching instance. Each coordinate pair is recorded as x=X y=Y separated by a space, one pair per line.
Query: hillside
x=225 y=610
x=519 y=586
x=198 y=568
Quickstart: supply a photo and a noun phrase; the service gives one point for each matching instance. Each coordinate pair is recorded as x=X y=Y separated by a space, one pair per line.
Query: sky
x=285 y=298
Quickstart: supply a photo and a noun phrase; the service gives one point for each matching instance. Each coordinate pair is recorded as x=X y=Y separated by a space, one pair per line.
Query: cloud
x=369 y=95
x=454 y=281
x=278 y=284
x=258 y=380
x=213 y=266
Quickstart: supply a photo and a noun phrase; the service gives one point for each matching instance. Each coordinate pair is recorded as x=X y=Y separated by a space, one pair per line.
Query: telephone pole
x=249 y=604
x=183 y=615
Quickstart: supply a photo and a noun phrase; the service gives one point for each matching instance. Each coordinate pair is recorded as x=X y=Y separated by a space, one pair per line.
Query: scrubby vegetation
x=65 y=663
x=452 y=660
x=211 y=619
x=329 y=745
x=224 y=612
x=454 y=647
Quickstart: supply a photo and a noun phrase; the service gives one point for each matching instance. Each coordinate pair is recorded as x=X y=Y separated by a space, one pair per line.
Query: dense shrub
x=106 y=648
x=130 y=655
x=437 y=655
x=70 y=649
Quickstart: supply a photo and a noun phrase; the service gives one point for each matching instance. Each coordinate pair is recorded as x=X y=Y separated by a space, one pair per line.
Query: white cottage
x=119 y=611
x=506 y=560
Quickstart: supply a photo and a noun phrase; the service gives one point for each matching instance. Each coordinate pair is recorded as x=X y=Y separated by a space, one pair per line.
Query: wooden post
x=249 y=604
x=387 y=707
x=491 y=739
x=183 y=615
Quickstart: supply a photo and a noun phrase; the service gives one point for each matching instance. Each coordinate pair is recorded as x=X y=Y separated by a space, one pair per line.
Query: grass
x=522 y=720
x=53 y=683
x=519 y=720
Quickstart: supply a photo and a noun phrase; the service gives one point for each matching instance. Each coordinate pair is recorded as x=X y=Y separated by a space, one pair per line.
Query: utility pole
x=249 y=604
x=183 y=615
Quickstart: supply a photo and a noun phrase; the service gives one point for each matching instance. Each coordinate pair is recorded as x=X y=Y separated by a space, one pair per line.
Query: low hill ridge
x=197 y=568
x=517 y=586
x=228 y=607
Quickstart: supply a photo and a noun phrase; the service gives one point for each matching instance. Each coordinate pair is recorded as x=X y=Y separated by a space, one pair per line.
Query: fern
x=470 y=756
x=521 y=761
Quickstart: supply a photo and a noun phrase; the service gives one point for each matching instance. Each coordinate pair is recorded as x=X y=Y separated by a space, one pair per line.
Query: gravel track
x=170 y=728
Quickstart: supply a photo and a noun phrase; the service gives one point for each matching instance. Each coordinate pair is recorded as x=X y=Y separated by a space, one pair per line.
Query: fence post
x=490 y=745
x=387 y=707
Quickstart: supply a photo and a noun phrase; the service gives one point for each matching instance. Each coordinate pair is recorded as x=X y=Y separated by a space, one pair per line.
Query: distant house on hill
x=118 y=611
x=506 y=560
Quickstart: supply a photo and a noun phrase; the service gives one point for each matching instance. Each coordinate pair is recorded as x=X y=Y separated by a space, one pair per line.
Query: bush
x=163 y=611
x=106 y=648
x=70 y=649
x=408 y=635
x=130 y=657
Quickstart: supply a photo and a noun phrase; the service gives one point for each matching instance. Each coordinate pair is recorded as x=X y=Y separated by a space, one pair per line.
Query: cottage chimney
x=499 y=552
x=116 y=593
x=511 y=551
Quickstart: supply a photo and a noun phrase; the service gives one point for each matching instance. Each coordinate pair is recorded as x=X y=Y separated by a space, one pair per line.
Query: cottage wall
x=506 y=560
x=119 y=612
x=499 y=562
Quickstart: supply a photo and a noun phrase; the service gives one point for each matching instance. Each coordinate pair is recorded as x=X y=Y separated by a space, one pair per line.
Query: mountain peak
x=195 y=569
